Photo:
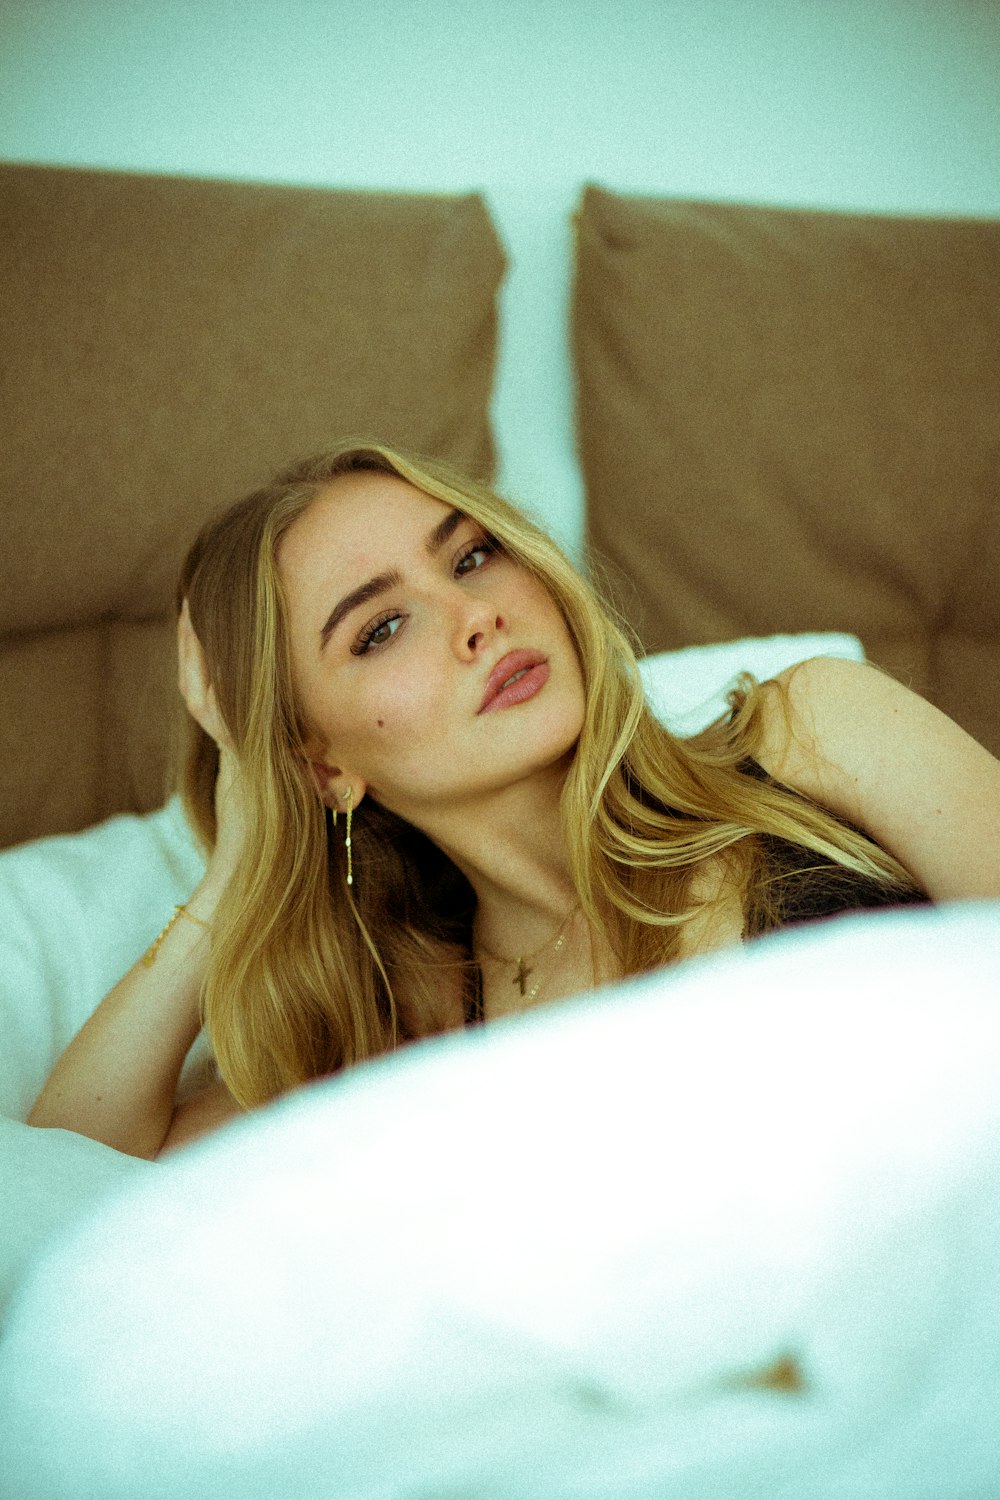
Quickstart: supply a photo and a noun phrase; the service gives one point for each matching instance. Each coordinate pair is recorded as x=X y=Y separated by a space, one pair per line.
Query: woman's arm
x=872 y=751
x=117 y=1080
x=197 y=1116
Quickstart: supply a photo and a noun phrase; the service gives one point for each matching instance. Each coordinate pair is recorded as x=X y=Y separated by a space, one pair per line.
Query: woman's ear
x=323 y=777
x=333 y=784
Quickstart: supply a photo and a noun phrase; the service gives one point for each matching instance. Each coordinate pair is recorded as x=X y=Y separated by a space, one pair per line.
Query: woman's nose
x=477 y=628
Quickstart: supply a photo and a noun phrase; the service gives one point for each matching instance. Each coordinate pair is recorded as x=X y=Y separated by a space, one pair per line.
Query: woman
x=432 y=794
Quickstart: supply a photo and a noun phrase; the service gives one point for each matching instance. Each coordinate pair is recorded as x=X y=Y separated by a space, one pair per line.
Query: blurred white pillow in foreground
x=548 y=1259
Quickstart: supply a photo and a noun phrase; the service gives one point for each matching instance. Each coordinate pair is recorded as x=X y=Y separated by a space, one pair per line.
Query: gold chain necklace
x=521 y=965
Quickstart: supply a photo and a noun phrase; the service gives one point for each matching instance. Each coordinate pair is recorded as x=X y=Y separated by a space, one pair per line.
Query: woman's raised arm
x=117 y=1080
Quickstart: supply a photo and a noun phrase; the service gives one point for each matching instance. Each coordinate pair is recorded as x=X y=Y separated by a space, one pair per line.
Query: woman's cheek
x=403 y=716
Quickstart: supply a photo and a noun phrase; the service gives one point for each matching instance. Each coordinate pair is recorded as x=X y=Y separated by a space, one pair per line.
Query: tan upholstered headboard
x=168 y=343
x=790 y=421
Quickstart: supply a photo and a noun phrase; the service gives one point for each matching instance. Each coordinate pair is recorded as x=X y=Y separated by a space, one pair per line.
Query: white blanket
x=541 y=1260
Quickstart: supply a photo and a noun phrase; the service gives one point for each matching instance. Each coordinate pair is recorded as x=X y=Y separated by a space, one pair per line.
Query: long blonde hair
x=306 y=975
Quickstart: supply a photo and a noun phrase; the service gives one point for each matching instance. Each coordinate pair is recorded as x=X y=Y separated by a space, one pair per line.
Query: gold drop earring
x=349 y=795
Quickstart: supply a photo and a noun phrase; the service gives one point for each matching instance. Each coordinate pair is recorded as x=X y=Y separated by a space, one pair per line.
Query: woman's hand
x=230 y=799
x=194 y=682
x=117 y=1079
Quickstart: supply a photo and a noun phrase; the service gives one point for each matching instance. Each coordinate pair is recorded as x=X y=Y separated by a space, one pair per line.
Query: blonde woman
x=431 y=794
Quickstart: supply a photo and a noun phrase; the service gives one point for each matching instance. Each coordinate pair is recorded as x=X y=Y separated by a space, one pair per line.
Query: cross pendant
x=522 y=974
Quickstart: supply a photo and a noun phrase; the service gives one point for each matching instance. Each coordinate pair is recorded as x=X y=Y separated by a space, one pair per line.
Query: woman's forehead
x=358 y=500
x=361 y=507
x=358 y=524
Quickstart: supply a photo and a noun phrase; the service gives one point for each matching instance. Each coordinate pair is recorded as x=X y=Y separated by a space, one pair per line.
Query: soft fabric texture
x=549 y=1259
x=48 y=1179
x=787 y=422
x=687 y=689
x=168 y=344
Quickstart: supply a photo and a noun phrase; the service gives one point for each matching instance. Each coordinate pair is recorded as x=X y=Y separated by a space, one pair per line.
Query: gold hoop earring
x=349 y=794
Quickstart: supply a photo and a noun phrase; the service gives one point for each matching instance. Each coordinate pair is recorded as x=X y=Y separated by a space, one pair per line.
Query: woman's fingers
x=193 y=680
x=192 y=676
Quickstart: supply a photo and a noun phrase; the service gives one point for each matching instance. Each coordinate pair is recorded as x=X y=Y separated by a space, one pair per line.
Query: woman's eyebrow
x=383 y=582
x=443 y=530
x=380 y=584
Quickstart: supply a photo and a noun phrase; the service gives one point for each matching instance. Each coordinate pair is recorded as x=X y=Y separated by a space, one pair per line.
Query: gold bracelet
x=182 y=911
x=149 y=957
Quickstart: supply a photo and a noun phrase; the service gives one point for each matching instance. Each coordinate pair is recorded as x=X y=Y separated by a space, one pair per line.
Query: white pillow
x=76 y=911
x=539 y=1260
x=687 y=689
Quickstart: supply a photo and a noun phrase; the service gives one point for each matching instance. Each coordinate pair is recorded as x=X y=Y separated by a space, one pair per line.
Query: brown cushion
x=788 y=421
x=167 y=344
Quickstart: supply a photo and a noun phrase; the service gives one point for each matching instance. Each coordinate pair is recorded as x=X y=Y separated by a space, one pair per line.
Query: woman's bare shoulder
x=825 y=722
x=854 y=739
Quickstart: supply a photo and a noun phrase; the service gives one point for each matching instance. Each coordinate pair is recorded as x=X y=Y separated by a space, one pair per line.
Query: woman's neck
x=511 y=850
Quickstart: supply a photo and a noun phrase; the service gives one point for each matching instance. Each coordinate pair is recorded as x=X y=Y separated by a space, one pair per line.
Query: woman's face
x=405 y=624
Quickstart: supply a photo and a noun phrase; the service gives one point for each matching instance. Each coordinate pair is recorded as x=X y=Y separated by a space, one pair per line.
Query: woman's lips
x=529 y=671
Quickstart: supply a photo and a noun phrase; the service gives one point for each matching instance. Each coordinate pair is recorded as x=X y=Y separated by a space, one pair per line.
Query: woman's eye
x=377 y=634
x=476 y=555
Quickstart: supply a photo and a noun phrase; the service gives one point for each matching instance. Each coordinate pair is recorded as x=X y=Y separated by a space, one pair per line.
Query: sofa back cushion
x=168 y=344
x=790 y=421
